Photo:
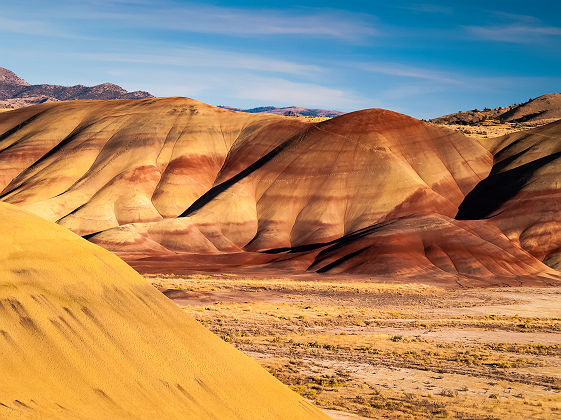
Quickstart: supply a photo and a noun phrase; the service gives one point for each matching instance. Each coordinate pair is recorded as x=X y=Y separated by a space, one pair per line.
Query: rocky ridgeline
x=545 y=108
x=289 y=111
x=17 y=93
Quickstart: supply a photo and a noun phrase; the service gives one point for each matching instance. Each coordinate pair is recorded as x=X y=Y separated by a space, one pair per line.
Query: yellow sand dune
x=82 y=335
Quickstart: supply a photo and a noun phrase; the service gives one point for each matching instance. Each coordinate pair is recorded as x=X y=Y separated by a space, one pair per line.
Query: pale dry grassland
x=312 y=119
x=307 y=118
x=490 y=129
x=389 y=350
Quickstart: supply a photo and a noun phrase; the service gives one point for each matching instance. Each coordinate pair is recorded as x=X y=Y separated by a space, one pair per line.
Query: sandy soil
x=389 y=350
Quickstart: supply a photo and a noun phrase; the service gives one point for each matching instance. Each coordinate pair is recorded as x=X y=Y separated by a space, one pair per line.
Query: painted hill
x=545 y=108
x=16 y=92
x=83 y=336
x=521 y=195
x=187 y=161
x=289 y=111
x=175 y=184
x=473 y=253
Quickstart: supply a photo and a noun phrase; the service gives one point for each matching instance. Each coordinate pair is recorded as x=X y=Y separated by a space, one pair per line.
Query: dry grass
x=306 y=118
x=388 y=350
x=205 y=282
x=490 y=129
x=312 y=119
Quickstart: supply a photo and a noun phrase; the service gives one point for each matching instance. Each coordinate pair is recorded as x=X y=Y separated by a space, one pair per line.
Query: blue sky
x=421 y=58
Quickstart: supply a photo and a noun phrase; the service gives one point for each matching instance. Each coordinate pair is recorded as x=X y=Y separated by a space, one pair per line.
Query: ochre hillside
x=188 y=185
x=83 y=336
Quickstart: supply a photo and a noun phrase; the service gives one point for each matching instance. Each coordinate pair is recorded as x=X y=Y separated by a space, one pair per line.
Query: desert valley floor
x=389 y=350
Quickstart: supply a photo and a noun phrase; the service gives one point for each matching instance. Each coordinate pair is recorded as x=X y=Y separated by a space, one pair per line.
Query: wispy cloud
x=200 y=57
x=429 y=8
x=414 y=72
x=255 y=90
x=514 y=33
x=244 y=22
x=515 y=28
x=515 y=17
x=275 y=90
x=195 y=17
x=30 y=27
x=408 y=91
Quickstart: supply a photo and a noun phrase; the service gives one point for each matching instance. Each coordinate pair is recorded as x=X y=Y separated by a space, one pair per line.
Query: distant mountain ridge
x=16 y=92
x=545 y=108
x=289 y=111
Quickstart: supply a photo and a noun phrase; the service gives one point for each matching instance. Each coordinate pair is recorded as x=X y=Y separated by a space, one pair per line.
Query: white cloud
x=201 y=57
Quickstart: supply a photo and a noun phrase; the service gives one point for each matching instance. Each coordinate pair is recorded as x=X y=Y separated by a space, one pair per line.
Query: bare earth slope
x=93 y=165
x=545 y=108
x=190 y=185
x=434 y=246
x=522 y=195
x=83 y=336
